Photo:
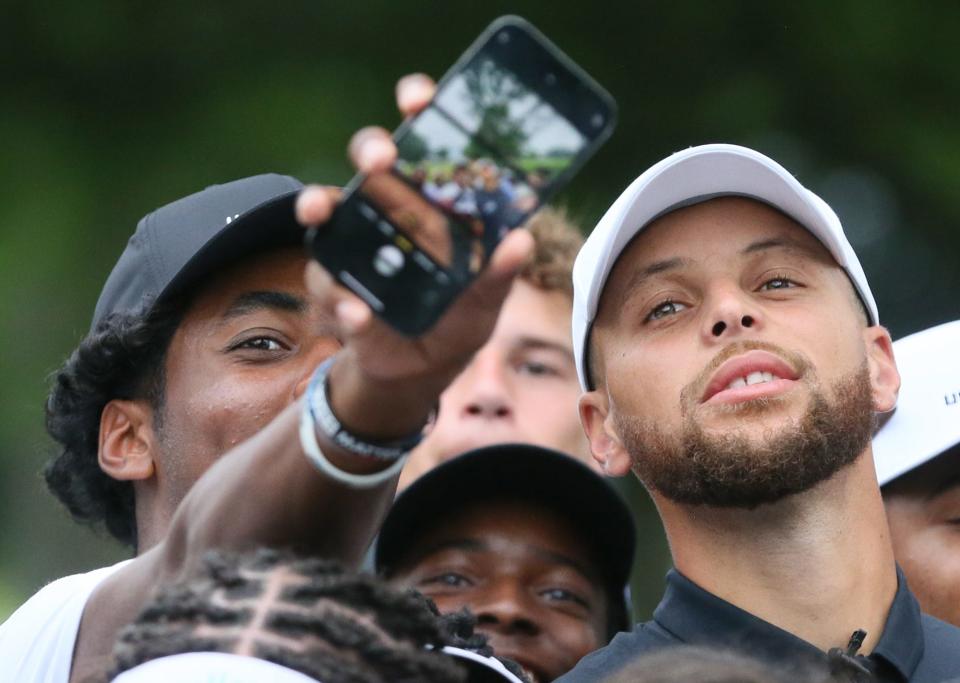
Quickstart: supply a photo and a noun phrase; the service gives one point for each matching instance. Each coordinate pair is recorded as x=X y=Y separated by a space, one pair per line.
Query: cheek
x=647 y=380
x=931 y=562
x=928 y=553
x=837 y=352
x=214 y=416
x=575 y=638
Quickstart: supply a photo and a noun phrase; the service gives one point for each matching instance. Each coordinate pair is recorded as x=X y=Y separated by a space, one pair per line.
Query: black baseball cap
x=559 y=482
x=179 y=244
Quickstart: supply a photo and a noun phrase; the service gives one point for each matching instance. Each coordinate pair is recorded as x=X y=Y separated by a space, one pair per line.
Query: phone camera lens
x=550 y=79
x=596 y=120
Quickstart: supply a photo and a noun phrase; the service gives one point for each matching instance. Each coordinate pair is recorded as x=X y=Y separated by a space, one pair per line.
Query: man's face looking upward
x=732 y=363
x=923 y=508
x=526 y=574
x=520 y=387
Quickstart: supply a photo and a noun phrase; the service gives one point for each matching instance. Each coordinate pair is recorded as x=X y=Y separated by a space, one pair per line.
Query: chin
x=447 y=449
x=772 y=408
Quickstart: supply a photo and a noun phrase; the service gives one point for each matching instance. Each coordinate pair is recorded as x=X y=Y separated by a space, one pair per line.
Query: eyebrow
x=248 y=302
x=777 y=243
x=526 y=342
x=944 y=485
x=644 y=274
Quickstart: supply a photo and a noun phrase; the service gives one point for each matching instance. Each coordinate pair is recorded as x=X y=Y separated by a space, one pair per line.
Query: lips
x=754 y=374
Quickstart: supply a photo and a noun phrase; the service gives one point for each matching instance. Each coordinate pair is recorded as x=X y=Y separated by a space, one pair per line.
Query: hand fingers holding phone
x=414 y=93
x=314 y=206
x=316 y=203
x=423 y=234
x=371 y=150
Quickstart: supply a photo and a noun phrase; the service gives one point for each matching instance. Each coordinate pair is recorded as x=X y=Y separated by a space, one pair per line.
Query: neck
x=153 y=518
x=818 y=564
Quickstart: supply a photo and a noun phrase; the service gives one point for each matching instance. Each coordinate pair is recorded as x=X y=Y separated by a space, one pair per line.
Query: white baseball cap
x=211 y=667
x=689 y=177
x=220 y=667
x=481 y=668
x=926 y=421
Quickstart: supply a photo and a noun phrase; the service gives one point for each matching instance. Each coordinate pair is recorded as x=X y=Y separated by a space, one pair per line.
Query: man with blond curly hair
x=521 y=386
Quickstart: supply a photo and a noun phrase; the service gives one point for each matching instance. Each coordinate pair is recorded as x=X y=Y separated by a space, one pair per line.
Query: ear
x=127 y=440
x=605 y=445
x=884 y=377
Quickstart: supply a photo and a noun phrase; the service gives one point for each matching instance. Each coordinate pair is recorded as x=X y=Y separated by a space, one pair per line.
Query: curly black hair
x=341 y=627
x=122 y=358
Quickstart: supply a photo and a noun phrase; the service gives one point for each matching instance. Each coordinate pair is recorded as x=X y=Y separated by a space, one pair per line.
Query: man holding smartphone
x=730 y=350
x=197 y=390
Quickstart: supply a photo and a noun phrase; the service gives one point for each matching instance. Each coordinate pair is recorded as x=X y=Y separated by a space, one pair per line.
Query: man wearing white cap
x=730 y=350
x=917 y=452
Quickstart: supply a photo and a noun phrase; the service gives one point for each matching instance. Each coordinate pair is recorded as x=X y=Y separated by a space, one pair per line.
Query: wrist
x=327 y=423
x=380 y=409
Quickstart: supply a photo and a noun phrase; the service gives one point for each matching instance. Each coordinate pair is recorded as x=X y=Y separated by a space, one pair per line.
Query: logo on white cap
x=926 y=421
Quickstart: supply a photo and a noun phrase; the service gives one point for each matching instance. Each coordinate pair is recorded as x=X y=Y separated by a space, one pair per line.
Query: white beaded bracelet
x=308 y=441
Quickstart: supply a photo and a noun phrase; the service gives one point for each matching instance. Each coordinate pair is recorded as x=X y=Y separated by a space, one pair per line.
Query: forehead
x=719 y=228
x=497 y=526
x=530 y=311
x=280 y=270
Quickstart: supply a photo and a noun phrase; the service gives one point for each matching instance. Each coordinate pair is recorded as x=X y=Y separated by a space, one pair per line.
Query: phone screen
x=510 y=124
x=482 y=157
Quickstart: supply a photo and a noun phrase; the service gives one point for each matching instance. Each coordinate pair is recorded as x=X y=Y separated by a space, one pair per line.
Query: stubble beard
x=734 y=471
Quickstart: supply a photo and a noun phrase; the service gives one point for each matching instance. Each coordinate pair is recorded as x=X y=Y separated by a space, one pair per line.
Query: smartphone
x=511 y=122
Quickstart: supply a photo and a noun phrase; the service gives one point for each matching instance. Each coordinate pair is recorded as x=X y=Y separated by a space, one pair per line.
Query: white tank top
x=36 y=642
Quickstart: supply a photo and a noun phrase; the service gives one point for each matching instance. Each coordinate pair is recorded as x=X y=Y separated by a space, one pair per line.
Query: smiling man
x=731 y=352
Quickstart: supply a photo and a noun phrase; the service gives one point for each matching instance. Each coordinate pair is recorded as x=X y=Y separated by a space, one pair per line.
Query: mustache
x=690 y=394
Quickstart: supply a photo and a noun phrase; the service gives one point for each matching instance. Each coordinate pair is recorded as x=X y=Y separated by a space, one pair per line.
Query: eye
x=536 y=369
x=447 y=580
x=257 y=346
x=662 y=310
x=261 y=344
x=778 y=282
x=563 y=595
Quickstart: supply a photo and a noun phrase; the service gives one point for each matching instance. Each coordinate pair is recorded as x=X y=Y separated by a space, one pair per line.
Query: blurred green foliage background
x=111 y=108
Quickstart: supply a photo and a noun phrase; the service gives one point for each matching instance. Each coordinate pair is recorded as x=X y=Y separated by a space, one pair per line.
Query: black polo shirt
x=914 y=647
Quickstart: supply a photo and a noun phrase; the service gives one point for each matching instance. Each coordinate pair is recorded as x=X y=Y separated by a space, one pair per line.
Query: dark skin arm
x=264 y=492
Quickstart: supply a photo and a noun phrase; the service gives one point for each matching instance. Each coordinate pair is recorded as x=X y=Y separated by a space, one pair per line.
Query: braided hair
x=306 y=614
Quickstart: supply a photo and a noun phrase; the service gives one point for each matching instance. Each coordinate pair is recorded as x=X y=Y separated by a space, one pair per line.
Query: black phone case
x=370 y=256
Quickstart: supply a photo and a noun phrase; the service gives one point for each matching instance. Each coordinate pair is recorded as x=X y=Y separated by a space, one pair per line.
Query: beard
x=733 y=471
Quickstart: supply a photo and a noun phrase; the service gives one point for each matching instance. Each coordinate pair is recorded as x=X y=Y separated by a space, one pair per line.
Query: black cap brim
x=180 y=244
x=517 y=472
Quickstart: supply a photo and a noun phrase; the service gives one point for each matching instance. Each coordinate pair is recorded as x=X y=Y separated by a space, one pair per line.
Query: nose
x=503 y=609
x=730 y=314
x=486 y=388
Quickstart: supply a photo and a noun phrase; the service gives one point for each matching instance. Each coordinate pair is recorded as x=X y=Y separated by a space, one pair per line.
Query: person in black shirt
x=732 y=358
